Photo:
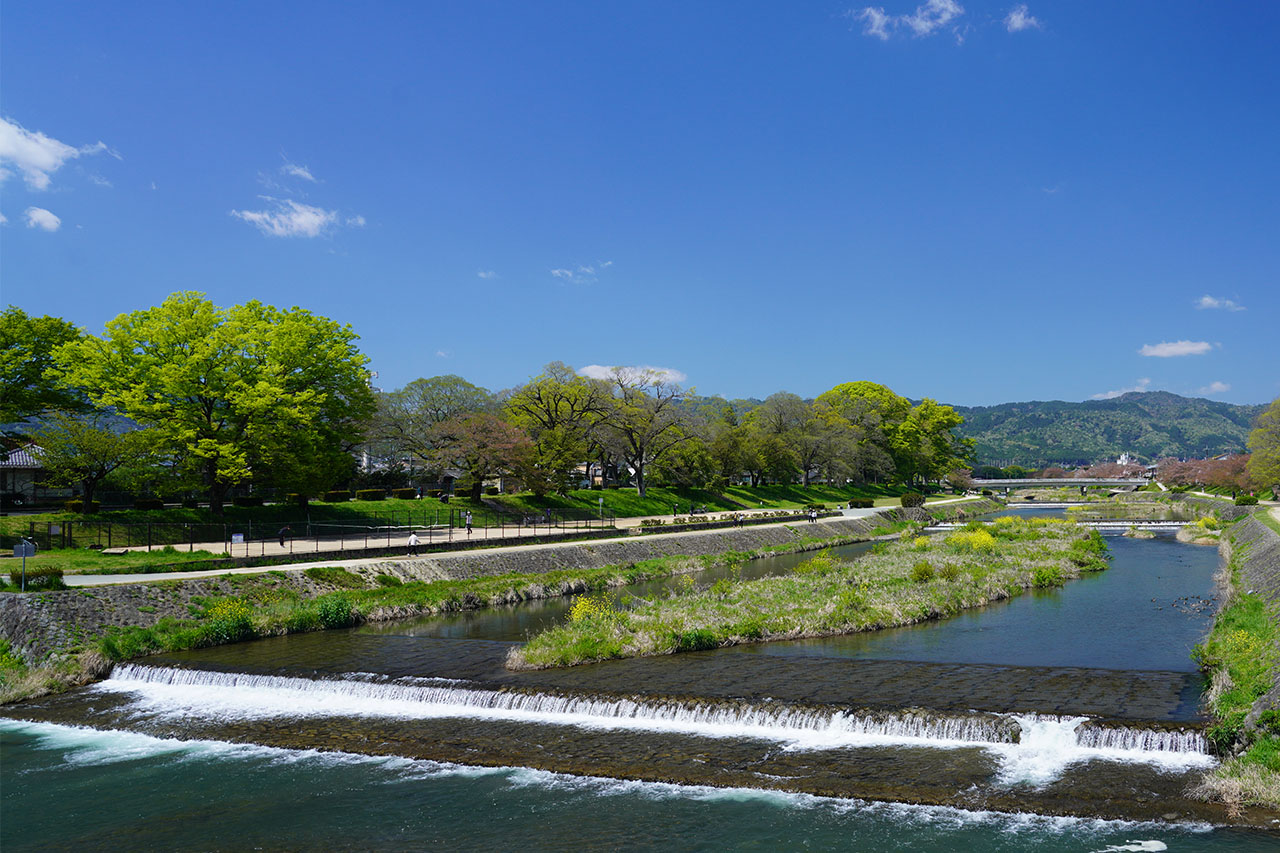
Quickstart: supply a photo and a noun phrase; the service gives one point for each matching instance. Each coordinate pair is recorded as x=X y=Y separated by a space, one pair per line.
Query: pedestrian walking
x=284 y=531
x=813 y=516
x=413 y=543
x=467 y=519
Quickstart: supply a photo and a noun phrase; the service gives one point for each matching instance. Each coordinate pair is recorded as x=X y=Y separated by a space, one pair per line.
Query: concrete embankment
x=39 y=624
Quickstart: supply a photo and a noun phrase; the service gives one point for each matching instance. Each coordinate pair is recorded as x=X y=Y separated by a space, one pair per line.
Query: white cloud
x=288 y=218
x=1108 y=395
x=298 y=172
x=38 y=217
x=1215 y=388
x=1170 y=349
x=35 y=155
x=932 y=16
x=153 y=186
x=486 y=274
x=441 y=354
x=664 y=374
x=877 y=22
x=99 y=181
x=3 y=219
x=582 y=273
x=1208 y=301
x=1020 y=19
x=356 y=221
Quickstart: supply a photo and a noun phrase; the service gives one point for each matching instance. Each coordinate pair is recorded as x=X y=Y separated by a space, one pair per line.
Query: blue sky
x=977 y=202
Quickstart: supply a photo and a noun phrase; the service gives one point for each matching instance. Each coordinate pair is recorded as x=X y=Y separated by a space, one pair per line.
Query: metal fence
x=314 y=535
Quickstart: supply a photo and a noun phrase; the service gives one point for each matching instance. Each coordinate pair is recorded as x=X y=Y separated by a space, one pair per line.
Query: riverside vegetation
x=268 y=605
x=912 y=580
x=1241 y=656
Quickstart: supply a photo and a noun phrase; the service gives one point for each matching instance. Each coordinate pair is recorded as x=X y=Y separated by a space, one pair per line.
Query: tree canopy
x=27 y=345
x=230 y=392
x=1264 y=449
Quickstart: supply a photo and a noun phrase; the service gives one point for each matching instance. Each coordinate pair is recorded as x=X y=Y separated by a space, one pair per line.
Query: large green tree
x=232 y=391
x=1264 y=449
x=26 y=353
x=561 y=411
x=645 y=419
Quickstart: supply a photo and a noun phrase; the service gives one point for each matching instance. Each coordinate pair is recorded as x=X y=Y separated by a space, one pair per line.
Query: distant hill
x=1150 y=424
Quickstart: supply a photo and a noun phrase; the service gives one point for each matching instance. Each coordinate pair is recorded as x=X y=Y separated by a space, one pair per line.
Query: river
x=1064 y=720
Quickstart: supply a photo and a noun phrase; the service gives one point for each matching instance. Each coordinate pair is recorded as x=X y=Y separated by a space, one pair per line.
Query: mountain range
x=1150 y=424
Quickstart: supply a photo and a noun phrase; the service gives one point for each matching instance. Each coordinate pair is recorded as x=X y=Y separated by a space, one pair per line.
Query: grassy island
x=900 y=583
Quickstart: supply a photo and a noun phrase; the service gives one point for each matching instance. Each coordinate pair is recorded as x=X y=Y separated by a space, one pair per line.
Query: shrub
x=371 y=494
x=334 y=576
x=39 y=577
x=986 y=493
x=588 y=607
x=1246 y=500
x=910 y=499
x=1047 y=576
x=404 y=494
x=861 y=503
x=247 y=500
x=229 y=621
x=613 y=486
x=696 y=640
x=389 y=580
x=490 y=490
x=77 y=505
x=191 y=503
x=335 y=611
x=978 y=541
x=148 y=503
x=922 y=572
x=949 y=572
x=298 y=499
x=818 y=507
x=337 y=496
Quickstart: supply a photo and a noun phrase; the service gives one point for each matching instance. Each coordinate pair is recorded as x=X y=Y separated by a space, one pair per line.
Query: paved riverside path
x=335 y=558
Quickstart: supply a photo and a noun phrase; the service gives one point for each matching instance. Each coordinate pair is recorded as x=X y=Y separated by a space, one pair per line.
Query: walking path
x=335 y=558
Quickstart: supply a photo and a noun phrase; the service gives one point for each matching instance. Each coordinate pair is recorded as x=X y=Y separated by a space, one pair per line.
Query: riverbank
x=59 y=639
x=898 y=584
x=1241 y=658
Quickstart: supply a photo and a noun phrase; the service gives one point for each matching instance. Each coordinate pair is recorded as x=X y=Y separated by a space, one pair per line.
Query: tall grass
x=908 y=581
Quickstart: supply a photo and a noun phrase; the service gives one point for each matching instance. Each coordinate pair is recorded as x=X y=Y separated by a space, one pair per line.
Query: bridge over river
x=1121 y=484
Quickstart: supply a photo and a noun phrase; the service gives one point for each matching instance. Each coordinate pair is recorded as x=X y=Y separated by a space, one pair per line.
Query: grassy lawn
x=75 y=560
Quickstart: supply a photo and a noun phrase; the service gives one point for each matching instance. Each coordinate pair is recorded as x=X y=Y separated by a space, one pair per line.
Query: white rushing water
x=79 y=747
x=1047 y=744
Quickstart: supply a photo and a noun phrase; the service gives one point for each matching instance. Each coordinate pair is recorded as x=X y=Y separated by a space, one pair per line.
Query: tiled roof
x=20 y=457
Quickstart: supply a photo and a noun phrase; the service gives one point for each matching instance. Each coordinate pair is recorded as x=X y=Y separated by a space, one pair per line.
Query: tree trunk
x=640 y=487
x=217 y=488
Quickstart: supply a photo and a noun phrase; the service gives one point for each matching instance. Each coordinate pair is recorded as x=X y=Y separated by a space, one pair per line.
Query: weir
x=1049 y=740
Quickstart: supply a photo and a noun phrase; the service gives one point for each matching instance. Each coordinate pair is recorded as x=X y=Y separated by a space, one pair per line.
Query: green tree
x=645 y=419
x=561 y=412
x=79 y=452
x=228 y=390
x=407 y=421
x=26 y=354
x=1264 y=449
